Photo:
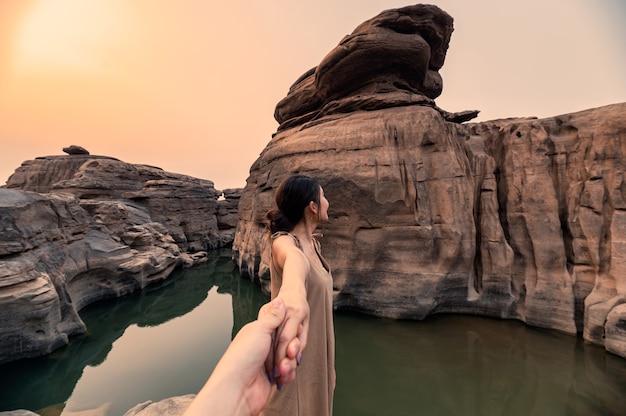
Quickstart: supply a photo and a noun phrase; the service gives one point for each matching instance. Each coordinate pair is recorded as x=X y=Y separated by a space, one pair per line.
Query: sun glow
x=68 y=35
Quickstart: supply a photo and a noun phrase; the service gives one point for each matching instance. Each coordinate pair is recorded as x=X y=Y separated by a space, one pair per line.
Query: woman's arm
x=293 y=294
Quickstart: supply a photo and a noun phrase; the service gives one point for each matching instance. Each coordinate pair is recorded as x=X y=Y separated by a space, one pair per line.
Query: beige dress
x=311 y=394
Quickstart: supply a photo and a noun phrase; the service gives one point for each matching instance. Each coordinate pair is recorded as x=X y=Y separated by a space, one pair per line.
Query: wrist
x=292 y=293
x=221 y=395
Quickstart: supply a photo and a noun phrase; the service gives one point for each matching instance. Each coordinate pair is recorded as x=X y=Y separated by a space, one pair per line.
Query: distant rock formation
x=516 y=219
x=75 y=150
x=76 y=229
x=228 y=215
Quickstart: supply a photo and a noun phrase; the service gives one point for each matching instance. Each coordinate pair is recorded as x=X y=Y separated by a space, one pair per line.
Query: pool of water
x=165 y=341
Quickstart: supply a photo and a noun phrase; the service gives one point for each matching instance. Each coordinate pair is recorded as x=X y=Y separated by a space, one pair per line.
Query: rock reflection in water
x=48 y=382
x=467 y=365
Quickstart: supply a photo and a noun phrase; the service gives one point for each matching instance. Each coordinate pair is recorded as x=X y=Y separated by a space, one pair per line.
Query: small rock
x=75 y=150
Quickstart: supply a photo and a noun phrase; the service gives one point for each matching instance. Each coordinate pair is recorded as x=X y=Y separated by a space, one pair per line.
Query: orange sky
x=191 y=85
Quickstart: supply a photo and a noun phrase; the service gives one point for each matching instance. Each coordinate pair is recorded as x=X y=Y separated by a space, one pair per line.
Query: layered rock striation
x=519 y=218
x=80 y=228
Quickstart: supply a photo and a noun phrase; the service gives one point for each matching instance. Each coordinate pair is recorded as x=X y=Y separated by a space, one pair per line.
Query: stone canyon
x=79 y=228
x=518 y=218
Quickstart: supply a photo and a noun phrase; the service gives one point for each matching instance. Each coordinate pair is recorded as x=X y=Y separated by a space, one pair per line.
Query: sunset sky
x=190 y=85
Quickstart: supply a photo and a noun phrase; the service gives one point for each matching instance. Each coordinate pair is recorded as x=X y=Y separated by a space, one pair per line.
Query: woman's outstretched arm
x=293 y=294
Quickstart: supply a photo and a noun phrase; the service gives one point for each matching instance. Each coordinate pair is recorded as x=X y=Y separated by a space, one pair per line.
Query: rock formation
x=75 y=150
x=80 y=228
x=390 y=60
x=517 y=218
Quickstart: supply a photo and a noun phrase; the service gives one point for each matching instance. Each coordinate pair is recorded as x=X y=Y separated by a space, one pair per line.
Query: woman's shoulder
x=284 y=238
x=287 y=245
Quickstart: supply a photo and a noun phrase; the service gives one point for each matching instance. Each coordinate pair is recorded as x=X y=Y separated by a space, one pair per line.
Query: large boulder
x=400 y=50
x=517 y=218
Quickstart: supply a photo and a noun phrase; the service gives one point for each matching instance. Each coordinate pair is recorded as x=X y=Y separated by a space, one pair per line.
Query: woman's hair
x=292 y=196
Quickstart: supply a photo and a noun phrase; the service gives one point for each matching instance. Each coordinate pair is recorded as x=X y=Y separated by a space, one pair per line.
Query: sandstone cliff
x=516 y=219
x=76 y=229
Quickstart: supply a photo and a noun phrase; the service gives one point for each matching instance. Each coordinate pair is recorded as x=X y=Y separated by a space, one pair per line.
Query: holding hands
x=291 y=337
x=240 y=383
x=268 y=350
x=289 y=340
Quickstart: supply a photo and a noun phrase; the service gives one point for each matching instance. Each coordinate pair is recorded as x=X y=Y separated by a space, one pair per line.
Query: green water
x=165 y=341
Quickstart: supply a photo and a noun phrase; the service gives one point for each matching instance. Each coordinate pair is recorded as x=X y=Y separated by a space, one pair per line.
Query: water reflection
x=465 y=365
x=165 y=341
x=177 y=330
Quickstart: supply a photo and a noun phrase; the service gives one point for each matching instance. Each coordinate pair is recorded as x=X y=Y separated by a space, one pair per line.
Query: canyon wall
x=519 y=218
x=78 y=228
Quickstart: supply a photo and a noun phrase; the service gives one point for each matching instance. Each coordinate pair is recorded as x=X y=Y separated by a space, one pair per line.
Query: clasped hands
x=265 y=351
x=288 y=340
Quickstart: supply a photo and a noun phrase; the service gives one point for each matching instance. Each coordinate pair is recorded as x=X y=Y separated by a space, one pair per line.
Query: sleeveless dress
x=311 y=393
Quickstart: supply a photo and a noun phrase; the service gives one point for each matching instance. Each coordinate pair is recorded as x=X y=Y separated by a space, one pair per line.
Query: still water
x=165 y=341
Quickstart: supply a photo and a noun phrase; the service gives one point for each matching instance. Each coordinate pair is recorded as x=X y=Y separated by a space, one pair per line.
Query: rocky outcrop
x=390 y=60
x=77 y=229
x=186 y=206
x=518 y=218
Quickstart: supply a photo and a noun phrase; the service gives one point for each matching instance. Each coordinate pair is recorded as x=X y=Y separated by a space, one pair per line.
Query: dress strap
x=295 y=238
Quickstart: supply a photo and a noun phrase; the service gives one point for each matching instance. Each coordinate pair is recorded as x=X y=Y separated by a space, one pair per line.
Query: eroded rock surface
x=77 y=229
x=186 y=206
x=390 y=60
x=517 y=218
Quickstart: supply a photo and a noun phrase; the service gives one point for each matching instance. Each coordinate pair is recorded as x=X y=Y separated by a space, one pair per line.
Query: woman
x=301 y=278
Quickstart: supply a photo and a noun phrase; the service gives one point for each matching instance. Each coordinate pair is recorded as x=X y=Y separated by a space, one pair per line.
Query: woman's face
x=324 y=204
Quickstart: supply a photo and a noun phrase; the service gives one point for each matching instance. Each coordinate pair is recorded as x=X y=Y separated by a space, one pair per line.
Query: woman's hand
x=289 y=340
